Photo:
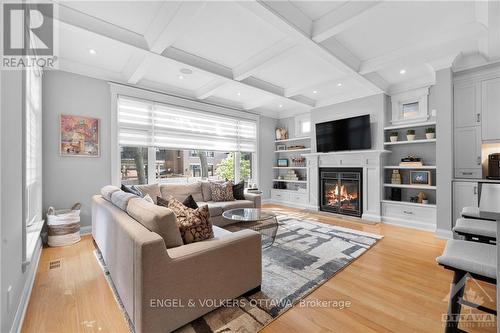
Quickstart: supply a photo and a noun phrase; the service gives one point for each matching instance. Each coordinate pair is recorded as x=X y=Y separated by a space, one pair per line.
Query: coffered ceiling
x=276 y=58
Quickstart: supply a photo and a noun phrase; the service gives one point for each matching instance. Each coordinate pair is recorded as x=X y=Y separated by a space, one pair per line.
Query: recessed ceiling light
x=186 y=71
x=339 y=84
x=238 y=93
x=402 y=71
x=315 y=91
x=280 y=106
x=92 y=51
x=181 y=77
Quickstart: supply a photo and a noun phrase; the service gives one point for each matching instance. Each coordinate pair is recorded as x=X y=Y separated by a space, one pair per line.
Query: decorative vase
x=430 y=135
x=393 y=138
x=410 y=137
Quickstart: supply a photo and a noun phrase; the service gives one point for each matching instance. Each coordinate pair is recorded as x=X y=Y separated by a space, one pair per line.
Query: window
x=302 y=125
x=32 y=200
x=163 y=143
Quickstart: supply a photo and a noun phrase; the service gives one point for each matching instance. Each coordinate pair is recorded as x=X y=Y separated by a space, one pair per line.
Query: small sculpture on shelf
x=411 y=161
x=396 y=177
x=421 y=197
x=299 y=161
x=281 y=134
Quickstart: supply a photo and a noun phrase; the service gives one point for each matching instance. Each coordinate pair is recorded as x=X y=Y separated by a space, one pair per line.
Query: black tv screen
x=344 y=134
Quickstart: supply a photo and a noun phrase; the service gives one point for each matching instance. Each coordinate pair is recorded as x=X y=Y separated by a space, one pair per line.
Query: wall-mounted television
x=344 y=134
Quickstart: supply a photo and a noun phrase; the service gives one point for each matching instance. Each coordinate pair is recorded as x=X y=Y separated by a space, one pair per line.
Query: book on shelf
x=411 y=164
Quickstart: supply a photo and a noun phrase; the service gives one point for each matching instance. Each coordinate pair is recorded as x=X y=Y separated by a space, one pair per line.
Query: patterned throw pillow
x=222 y=191
x=188 y=202
x=194 y=224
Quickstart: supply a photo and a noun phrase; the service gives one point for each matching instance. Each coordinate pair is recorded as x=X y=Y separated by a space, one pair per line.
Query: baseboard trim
x=28 y=287
x=408 y=224
x=86 y=230
x=444 y=234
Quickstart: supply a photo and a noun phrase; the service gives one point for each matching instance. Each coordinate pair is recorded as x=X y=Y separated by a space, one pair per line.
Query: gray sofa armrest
x=256 y=198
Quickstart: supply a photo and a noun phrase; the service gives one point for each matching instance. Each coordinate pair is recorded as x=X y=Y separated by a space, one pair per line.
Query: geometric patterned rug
x=304 y=255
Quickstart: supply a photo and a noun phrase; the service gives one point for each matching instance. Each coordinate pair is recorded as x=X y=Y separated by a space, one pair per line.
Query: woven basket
x=64 y=226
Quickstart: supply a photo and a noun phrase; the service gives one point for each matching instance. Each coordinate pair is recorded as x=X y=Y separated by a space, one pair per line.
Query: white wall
x=68 y=180
x=75 y=179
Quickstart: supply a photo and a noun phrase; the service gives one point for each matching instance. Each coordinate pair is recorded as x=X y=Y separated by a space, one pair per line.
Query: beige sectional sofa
x=155 y=275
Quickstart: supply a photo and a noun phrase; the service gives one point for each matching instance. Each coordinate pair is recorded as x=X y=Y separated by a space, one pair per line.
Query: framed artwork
x=280 y=147
x=79 y=136
x=420 y=177
x=282 y=162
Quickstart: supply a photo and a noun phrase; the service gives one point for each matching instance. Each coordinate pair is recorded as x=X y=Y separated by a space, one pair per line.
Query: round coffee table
x=263 y=221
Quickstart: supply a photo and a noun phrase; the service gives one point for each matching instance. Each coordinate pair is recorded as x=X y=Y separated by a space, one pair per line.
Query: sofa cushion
x=181 y=191
x=188 y=202
x=214 y=209
x=120 y=199
x=219 y=232
x=157 y=219
x=227 y=205
x=222 y=191
x=205 y=190
x=107 y=190
x=131 y=189
x=152 y=189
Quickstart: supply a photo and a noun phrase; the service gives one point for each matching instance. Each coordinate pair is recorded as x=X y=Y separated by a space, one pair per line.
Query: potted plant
x=410 y=135
x=393 y=136
x=430 y=132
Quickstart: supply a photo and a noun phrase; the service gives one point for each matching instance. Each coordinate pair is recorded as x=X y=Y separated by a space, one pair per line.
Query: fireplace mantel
x=369 y=160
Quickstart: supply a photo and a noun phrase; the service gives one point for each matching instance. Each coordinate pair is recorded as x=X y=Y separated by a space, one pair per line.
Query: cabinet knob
x=478 y=117
x=479 y=160
x=475 y=189
x=467 y=173
x=407 y=212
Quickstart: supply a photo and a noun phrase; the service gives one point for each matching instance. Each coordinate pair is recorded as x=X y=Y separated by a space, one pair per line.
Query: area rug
x=304 y=255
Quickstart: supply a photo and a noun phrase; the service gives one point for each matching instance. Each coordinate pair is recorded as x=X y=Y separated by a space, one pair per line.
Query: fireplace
x=341 y=190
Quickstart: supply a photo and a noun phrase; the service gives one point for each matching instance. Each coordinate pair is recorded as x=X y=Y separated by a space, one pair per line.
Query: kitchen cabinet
x=490 y=109
x=465 y=194
x=467 y=109
x=467 y=142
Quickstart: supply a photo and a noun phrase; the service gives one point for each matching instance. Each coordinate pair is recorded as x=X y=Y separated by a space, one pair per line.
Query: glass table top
x=248 y=214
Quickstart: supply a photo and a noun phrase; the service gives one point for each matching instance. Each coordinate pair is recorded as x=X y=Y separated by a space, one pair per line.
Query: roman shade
x=146 y=123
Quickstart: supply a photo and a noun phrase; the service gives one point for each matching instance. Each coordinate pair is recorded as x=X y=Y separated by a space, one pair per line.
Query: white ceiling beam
x=341 y=19
x=265 y=13
x=424 y=50
x=257 y=103
x=173 y=19
x=209 y=89
x=137 y=66
x=267 y=57
x=69 y=17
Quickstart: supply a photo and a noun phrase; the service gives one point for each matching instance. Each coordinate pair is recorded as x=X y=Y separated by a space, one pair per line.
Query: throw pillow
x=222 y=191
x=152 y=189
x=239 y=191
x=194 y=224
x=131 y=189
x=188 y=202
x=148 y=198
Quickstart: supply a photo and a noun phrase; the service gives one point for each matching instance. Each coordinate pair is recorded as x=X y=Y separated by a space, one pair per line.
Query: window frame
x=117 y=89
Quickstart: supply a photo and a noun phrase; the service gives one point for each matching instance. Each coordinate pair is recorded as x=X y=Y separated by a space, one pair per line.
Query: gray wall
x=12 y=274
x=266 y=155
x=74 y=179
x=373 y=105
x=441 y=99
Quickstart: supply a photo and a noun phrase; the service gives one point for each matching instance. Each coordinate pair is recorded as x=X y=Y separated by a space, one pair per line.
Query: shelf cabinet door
x=465 y=105
x=465 y=194
x=467 y=151
x=490 y=109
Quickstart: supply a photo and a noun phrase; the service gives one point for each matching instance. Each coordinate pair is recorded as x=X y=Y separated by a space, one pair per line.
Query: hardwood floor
x=394 y=287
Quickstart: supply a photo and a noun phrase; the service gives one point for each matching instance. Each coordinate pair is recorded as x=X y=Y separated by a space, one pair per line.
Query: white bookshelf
x=291 y=151
x=414 y=186
x=410 y=125
x=403 y=167
x=406 y=142
x=302 y=138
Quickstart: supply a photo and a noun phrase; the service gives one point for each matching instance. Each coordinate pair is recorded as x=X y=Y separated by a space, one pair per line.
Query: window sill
x=32 y=236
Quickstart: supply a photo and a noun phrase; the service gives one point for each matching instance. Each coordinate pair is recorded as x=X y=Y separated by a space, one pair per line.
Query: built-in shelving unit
x=291 y=191
x=398 y=202
x=410 y=142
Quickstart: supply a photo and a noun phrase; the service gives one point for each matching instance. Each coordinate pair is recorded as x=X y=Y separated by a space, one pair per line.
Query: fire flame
x=341 y=195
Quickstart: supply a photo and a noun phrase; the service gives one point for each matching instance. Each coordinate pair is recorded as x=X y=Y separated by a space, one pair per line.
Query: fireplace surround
x=341 y=190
